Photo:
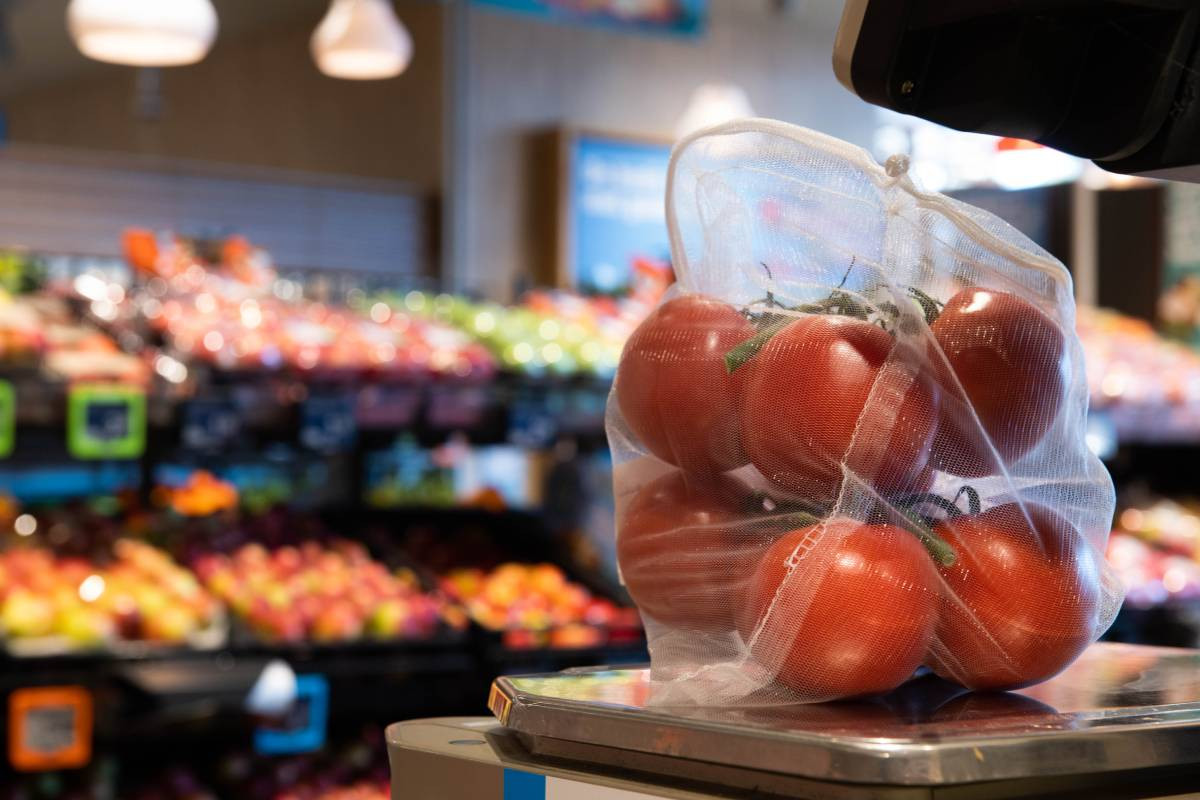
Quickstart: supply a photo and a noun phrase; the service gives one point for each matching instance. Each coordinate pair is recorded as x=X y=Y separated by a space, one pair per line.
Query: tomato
x=673 y=388
x=686 y=547
x=1006 y=354
x=854 y=616
x=1021 y=600
x=805 y=401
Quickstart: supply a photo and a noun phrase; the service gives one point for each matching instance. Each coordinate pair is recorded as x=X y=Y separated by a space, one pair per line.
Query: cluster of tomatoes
x=825 y=406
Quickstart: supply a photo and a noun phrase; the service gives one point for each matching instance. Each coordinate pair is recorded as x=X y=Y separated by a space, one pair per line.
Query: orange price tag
x=49 y=727
x=499 y=704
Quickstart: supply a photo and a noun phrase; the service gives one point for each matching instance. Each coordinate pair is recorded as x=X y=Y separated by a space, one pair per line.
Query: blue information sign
x=303 y=728
x=616 y=210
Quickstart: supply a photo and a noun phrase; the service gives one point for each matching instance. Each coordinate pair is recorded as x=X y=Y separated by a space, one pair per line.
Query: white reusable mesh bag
x=850 y=441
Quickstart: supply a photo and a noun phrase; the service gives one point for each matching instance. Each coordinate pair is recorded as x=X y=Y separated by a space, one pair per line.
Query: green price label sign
x=8 y=418
x=106 y=421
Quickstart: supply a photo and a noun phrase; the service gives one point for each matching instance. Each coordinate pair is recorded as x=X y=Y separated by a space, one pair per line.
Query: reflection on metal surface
x=1117 y=707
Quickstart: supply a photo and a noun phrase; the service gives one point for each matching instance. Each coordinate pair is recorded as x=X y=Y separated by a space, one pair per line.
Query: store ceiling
x=40 y=51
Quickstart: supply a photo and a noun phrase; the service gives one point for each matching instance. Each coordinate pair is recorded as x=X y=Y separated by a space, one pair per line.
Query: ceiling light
x=143 y=33
x=361 y=40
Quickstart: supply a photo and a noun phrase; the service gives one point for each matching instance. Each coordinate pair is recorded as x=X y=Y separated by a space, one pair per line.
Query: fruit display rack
x=530 y=379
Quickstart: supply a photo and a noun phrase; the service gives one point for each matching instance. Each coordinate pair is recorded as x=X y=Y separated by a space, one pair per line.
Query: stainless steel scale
x=1123 y=721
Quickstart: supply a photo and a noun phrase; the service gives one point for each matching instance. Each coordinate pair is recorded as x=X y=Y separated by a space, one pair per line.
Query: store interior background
x=442 y=180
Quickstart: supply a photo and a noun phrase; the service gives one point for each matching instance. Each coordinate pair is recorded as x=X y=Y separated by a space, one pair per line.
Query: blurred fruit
x=387 y=620
x=85 y=626
x=141 y=594
x=27 y=614
x=327 y=593
x=172 y=624
x=1149 y=386
x=202 y=494
x=224 y=303
x=529 y=600
x=338 y=622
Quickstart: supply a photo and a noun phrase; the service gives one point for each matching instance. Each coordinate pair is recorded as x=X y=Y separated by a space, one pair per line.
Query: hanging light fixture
x=712 y=104
x=361 y=40
x=143 y=33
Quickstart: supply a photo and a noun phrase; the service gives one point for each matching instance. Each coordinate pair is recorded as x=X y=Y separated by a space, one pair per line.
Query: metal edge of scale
x=1160 y=736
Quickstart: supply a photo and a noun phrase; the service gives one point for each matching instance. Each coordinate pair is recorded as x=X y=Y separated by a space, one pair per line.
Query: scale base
x=1123 y=721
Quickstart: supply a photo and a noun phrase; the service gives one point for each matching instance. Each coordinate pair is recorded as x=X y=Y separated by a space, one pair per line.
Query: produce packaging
x=850 y=442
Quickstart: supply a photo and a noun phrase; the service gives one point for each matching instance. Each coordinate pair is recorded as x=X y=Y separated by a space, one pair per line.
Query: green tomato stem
x=937 y=547
x=745 y=351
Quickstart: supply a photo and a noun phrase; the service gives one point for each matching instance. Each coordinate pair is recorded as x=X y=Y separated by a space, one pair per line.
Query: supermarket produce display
x=233 y=532
x=53 y=604
x=1148 y=386
x=402 y=516
x=556 y=332
x=322 y=593
x=169 y=623
x=536 y=605
x=1154 y=550
x=42 y=330
x=234 y=577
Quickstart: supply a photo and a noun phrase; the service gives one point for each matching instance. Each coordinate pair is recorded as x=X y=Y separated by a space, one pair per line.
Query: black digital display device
x=1114 y=81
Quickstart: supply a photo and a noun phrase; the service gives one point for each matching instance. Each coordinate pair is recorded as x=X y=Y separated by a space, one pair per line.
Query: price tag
x=327 y=423
x=210 y=424
x=302 y=727
x=499 y=704
x=49 y=727
x=8 y=418
x=106 y=421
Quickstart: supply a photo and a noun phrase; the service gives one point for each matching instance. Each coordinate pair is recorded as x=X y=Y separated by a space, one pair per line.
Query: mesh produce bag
x=850 y=441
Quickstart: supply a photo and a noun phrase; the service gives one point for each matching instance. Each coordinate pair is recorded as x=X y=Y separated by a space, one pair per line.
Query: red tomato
x=854 y=616
x=686 y=547
x=1006 y=354
x=805 y=402
x=674 y=390
x=1021 y=600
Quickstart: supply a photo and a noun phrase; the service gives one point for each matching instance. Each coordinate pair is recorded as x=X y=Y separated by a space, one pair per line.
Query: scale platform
x=1123 y=721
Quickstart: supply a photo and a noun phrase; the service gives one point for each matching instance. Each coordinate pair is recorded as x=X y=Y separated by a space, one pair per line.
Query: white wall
x=77 y=202
x=519 y=76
